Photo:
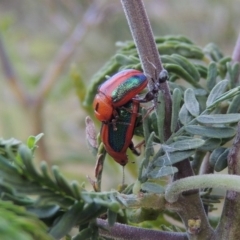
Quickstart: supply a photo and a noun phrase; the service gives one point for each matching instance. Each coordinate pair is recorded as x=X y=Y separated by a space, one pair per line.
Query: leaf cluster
x=205 y=107
x=60 y=205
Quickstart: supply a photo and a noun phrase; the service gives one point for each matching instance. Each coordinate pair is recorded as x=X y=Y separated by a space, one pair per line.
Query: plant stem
x=121 y=231
x=143 y=37
x=224 y=181
x=148 y=54
x=16 y=86
x=228 y=227
x=92 y=17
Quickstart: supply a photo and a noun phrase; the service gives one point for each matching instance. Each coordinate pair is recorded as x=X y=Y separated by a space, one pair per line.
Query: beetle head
x=103 y=108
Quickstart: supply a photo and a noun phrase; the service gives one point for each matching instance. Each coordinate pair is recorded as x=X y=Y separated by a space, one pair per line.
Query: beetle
x=117 y=141
x=117 y=91
x=121 y=88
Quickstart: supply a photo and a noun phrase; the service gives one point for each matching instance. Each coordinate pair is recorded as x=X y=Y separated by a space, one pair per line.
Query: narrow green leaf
x=172 y=158
x=46 y=176
x=200 y=92
x=217 y=91
x=214 y=52
x=185 y=144
x=187 y=65
x=202 y=70
x=38 y=137
x=210 y=144
x=89 y=212
x=58 y=199
x=7 y=167
x=191 y=102
x=177 y=97
x=24 y=187
x=184 y=116
x=31 y=142
x=211 y=132
x=162 y=172
x=114 y=206
x=84 y=234
x=44 y=211
x=219 y=118
x=124 y=60
x=112 y=217
x=61 y=181
x=12 y=142
x=215 y=155
x=17 y=200
x=145 y=125
x=212 y=75
x=160 y=116
x=234 y=106
x=75 y=190
x=149 y=147
x=182 y=73
x=67 y=221
x=27 y=159
x=225 y=96
x=152 y=187
x=222 y=161
x=233 y=71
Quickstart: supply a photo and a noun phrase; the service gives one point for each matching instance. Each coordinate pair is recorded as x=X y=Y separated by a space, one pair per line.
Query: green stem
x=147 y=200
x=224 y=181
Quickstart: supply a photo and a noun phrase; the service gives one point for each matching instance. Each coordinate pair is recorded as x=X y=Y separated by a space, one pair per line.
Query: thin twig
x=92 y=17
x=121 y=231
x=17 y=87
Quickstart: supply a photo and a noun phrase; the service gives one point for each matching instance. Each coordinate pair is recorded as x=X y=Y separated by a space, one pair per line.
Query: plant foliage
x=204 y=118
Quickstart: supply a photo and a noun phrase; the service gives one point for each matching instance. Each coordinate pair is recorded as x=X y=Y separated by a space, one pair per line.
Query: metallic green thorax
x=117 y=138
x=127 y=86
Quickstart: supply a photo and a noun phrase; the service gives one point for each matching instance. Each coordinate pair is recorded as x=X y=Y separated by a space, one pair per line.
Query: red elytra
x=117 y=91
x=116 y=142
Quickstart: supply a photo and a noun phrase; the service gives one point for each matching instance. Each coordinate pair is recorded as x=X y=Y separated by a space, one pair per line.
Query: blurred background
x=41 y=41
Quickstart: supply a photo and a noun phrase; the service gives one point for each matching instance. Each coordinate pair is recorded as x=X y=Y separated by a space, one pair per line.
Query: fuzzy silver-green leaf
x=219 y=118
x=162 y=172
x=191 y=102
x=211 y=132
x=217 y=91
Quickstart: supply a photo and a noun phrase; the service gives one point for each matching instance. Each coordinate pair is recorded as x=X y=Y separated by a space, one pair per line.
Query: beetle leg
x=149 y=96
x=130 y=110
x=139 y=145
x=149 y=110
x=114 y=120
x=133 y=149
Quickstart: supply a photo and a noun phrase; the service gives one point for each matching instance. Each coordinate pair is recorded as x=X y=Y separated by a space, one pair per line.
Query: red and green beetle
x=116 y=105
x=117 y=91
x=117 y=141
x=121 y=88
